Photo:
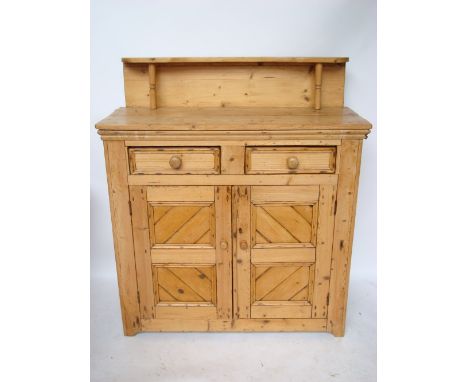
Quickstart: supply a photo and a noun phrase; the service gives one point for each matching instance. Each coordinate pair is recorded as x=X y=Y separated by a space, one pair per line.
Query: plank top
x=292 y=60
x=233 y=118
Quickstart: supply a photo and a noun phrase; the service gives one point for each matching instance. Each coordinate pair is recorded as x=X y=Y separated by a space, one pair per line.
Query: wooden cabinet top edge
x=292 y=60
x=236 y=119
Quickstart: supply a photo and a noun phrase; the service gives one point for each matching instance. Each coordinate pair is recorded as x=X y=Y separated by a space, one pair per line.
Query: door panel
x=281 y=283
x=182 y=224
x=283 y=224
x=182 y=251
x=185 y=284
x=282 y=255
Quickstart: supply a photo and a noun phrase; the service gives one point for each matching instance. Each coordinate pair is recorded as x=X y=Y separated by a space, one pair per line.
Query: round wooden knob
x=293 y=163
x=175 y=162
x=223 y=244
x=243 y=245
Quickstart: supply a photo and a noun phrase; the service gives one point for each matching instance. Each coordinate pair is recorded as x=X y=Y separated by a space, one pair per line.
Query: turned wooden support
x=152 y=85
x=318 y=85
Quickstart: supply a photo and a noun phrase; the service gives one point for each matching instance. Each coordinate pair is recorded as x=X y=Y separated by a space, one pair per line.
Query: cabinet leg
x=131 y=331
x=350 y=154
x=116 y=166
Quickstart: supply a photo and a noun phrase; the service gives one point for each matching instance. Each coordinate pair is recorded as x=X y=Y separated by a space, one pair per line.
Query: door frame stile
x=147 y=292
x=223 y=251
x=241 y=251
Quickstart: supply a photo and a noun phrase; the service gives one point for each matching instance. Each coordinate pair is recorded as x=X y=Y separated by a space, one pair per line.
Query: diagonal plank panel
x=185 y=284
x=164 y=295
x=260 y=239
x=305 y=212
x=271 y=229
x=302 y=295
x=173 y=219
x=198 y=280
x=193 y=229
x=205 y=238
x=159 y=212
x=271 y=278
x=182 y=224
x=292 y=221
x=290 y=286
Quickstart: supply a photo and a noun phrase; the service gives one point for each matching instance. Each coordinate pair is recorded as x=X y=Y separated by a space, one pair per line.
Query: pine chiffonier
x=232 y=186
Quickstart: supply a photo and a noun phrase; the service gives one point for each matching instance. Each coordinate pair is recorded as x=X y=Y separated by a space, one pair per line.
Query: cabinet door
x=182 y=239
x=282 y=250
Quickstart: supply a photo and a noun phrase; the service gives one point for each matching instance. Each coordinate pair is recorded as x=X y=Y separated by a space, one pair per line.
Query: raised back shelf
x=234 y=82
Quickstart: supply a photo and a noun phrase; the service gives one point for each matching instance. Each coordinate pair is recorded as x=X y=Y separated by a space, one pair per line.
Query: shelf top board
x=291 y=60
x=233 y=119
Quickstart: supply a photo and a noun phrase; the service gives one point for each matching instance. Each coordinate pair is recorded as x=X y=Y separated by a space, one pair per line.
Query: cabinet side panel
x=333 y=81
x=116 y=166
x=343 y=234
x=137 y=86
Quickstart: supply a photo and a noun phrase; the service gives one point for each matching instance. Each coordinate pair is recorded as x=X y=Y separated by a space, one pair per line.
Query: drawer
x=174 y=160
x=290 y=160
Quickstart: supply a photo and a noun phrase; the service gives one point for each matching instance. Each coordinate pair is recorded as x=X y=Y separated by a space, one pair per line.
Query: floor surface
x=233 y=356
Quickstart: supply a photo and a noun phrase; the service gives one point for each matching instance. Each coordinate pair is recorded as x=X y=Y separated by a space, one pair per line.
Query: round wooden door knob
x=244 y=245
x=175 y=162
x=223 y=244
x=293 y=163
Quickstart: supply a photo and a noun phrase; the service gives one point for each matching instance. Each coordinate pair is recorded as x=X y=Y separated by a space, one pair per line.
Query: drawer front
x=174 y=160
x=290 y=160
